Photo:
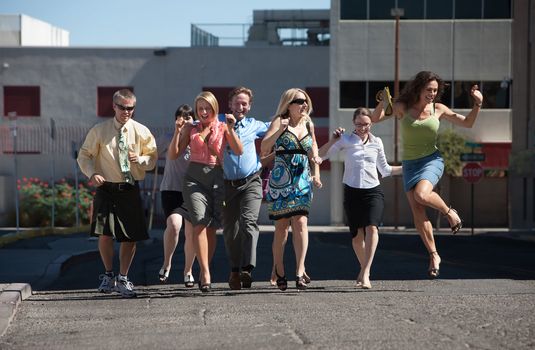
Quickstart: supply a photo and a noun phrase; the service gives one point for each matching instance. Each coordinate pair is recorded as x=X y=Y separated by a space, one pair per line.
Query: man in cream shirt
x=115 y=156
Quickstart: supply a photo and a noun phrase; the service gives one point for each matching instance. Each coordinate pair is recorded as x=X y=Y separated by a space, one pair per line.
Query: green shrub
x=36 y=198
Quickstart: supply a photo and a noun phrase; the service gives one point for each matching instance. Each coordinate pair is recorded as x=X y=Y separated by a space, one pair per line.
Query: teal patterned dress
x=290 y=188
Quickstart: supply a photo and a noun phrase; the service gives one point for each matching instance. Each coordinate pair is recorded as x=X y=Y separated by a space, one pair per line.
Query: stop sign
x=472 y=172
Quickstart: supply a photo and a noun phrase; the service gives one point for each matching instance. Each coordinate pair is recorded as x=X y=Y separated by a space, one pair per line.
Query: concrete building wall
x=23 y=30
x=69 y=77
x=459 y=50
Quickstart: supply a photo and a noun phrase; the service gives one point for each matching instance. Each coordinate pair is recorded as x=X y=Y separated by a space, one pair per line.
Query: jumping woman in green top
x=420 y=116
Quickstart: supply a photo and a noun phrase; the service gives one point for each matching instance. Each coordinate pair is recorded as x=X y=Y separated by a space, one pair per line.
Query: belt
x=120 y=186
x=241 y=182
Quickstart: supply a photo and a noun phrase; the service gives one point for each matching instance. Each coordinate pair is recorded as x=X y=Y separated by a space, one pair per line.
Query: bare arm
x=314 y=165
x=459 y=119
x=232 y=138
x=179 y=142
x=277 y=127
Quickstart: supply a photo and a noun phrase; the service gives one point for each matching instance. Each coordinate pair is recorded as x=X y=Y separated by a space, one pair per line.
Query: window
x=320 y=101
x=25 y=101
x=352 y=94
x=353 y=9
x=497 y=9
x=105 y=99
x=374 y=87
x=468 y=9
x=380 y=9
x=446 y=94
x=462 y=98
x=439 y=9
x=413 y=9
x=495 y=94
x=221 y=95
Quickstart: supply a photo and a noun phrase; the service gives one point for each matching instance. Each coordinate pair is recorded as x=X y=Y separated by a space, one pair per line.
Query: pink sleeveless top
x=211 y=151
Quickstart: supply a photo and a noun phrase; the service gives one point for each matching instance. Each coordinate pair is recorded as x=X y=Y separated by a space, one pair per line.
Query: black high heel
x=458 y=226
x=205 y=288
x=433 y=272
x=163 y=275
x=300 y=283
x=306 y=278
x=282 y=282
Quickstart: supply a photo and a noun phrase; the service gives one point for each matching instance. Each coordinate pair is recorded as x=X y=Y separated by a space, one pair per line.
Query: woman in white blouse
x=363 y=196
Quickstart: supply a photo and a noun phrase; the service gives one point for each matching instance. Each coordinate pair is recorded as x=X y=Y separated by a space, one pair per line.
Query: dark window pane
x=376 y=86
x=380 y=9
x=320 y=101
x=497 y=9
x=462 y=94
x=439 y=9
x=446 y=95
x=105 y=99
x=352 y=94
x=468 y=9
x=221 y=95
x=414 y=9
x=352 y=9
x=495 y=94
x=25 y=101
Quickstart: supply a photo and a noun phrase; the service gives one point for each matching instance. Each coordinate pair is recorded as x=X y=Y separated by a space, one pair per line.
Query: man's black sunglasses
x=298 y=101
x=125 y=108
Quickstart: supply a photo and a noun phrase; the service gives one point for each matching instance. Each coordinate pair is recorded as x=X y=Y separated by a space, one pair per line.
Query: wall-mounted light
x=506 y=81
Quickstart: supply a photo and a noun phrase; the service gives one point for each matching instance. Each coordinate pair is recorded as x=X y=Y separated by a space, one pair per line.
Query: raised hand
x=476 y=95
x=338 y=132
x=230 y=120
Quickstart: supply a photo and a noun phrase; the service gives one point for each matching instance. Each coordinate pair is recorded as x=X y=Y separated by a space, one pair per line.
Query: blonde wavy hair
x=208 y=97
x=287 y=97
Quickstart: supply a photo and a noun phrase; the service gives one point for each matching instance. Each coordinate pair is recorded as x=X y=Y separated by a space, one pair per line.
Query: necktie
x=124 y=163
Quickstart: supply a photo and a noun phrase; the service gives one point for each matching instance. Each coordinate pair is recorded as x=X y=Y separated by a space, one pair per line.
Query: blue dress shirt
x=238 y=167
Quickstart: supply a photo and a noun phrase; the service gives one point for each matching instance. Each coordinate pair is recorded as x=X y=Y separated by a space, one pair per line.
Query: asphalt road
x=485 y=299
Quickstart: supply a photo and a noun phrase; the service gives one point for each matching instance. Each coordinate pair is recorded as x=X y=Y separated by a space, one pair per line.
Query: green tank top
x=419 y=137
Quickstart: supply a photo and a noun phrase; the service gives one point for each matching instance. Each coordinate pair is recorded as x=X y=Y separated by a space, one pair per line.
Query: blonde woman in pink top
x=203 y=189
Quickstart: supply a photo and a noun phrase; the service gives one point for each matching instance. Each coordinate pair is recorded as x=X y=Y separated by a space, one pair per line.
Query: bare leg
x=424 y=195
x=358 y=246
x=127 y=251
x=273 y=280
x=170 y=239
x=105 y=247
x=371 y=240
x=200 y=240
x=212 y=242
x=300 y=242
x=425 y=229
x=189 y=249
x=279 y=240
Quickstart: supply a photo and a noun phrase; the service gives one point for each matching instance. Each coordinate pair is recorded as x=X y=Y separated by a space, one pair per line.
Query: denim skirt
x=428 y=168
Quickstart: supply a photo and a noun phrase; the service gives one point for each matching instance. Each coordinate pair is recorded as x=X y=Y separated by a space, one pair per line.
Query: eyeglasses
x=363 y=126
x=298 y=101
x=125 y=108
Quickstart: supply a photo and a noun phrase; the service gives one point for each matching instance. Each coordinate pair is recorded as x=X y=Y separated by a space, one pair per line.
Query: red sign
x=472 y=172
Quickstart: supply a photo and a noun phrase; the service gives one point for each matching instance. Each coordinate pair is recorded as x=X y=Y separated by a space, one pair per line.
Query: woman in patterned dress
x=292 y=136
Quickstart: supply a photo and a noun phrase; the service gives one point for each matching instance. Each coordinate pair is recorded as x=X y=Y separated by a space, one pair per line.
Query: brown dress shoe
x=234 y=281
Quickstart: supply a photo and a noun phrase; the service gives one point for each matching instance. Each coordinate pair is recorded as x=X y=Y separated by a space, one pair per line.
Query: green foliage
x=36 y=198
x=522 y=163
x=451 y=145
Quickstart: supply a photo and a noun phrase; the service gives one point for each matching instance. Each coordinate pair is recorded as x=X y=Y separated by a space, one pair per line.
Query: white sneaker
x=125 y=288
x=107 y=285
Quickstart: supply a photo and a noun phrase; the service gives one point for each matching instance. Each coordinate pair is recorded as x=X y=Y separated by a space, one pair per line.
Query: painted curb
x=10 y=298
x=40 y=232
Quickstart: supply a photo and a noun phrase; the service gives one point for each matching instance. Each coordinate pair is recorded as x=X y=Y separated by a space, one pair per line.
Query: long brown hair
x=411 y=91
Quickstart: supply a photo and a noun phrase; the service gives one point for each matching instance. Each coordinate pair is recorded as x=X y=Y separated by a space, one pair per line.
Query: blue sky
x=140 y=23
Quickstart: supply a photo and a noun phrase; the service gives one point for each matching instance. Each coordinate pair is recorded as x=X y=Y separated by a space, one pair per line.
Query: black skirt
x=118 y=212
x=363 y=207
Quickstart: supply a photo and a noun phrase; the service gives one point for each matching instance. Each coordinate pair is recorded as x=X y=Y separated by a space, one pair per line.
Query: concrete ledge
x=40 y=232
x=10 y=298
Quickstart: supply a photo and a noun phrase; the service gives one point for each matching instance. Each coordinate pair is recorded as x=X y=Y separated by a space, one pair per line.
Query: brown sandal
x=458 y=226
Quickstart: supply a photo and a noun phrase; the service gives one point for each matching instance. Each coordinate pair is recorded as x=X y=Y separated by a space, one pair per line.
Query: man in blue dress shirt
x=243 y=191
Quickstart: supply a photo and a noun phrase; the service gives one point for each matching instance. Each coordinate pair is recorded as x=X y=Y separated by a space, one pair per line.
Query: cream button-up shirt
x=100 y=155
